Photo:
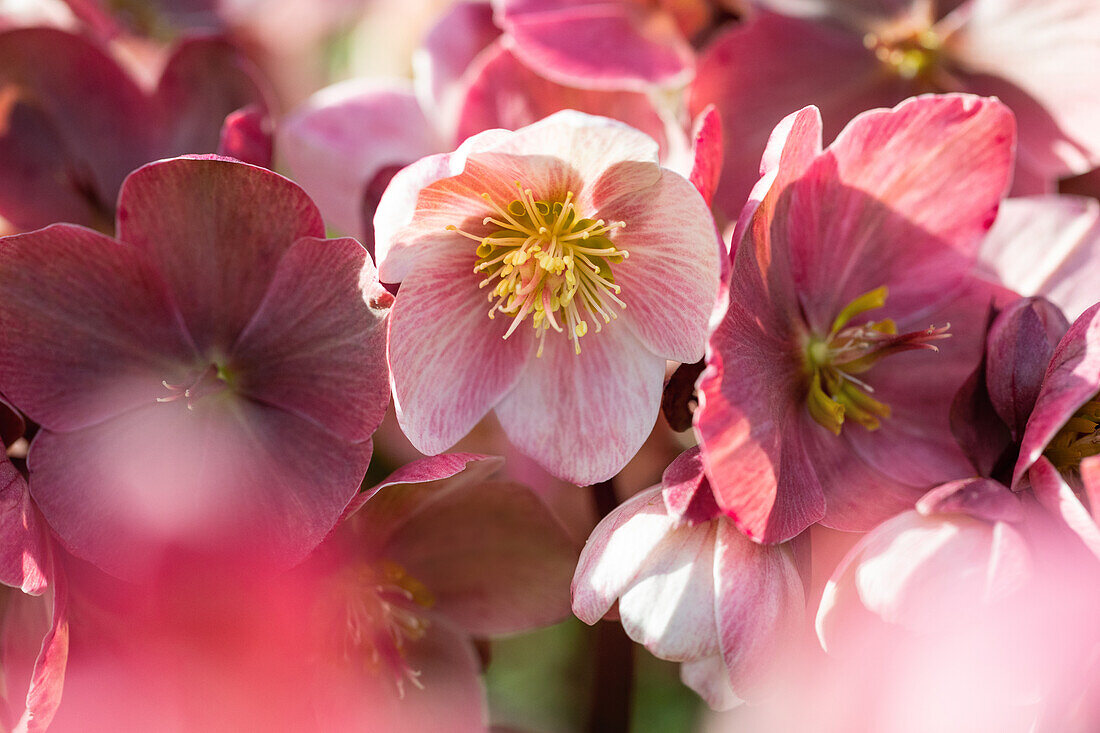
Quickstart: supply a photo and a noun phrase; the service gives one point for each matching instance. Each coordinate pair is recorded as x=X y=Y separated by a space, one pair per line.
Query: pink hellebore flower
x=691 y=588
x=207 y=382
x=1042 y=57
x=34 y=638
x=546 y=273
x=808 y=410
x=73 y=123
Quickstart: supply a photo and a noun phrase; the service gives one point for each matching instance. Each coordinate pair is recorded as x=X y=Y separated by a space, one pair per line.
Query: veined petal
x=584 y=416
x=87 y=327
x=449 y=362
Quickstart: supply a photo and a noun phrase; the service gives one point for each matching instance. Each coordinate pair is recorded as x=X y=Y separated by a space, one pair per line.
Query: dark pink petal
x=979 y=431
x=504 y=92
x=584 y=416
x=686 y=490
x=317 y=345
x=1018 y=350
x=35 y=641
x=858 y=221
x=461 y=33
x=670 y=278
x=759 y=605
x=204 y=81
x=1071 y=380
x=1041 y=58
x=977 y=497
x=706 y=144
x=215 y=229
x=247 y=136
x=759 y=71
x=25 y=542
x=1046 y=245
x=87 y=328
x=494 y=557
x=599 y=45
x=472 y=466
x=449 y=363
x=230 y=477
x=344 y=135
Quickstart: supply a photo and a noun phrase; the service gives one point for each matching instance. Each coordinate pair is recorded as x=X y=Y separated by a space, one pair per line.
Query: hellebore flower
x=546 y=273
x=809 y=410
x=73 y=123
x=1042 y=57
x=34 y=641
x=207 y=382
x=347 y=141
x=691 y=588
x=372 y=632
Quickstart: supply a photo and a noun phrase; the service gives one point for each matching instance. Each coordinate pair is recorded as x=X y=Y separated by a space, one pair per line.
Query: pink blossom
x=74 y=123
x=693 y=589
x=207 y=382
x=809 y=411
x=1040 y=56
x=547 y=274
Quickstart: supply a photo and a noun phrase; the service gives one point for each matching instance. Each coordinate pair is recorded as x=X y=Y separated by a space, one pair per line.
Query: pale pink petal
x=1071 y=380
x=584 y=416
x=317 y=345
x=1042 y=58
x=617 y=551
x=449 y=362
x=87 y=327
x=35 y=641
x=759 y=604
x=343 y=135
x=599 y=45
x=1058 y=498
x=672 y=270
x=710 y=679
x=498 y=561
x=25 y=548
x=1046 y=245
x=915 y=228
x=855 y=13
x=686 y=490
x=759 y=71
x=215 y=229
x=504 y=92
x=230 y=477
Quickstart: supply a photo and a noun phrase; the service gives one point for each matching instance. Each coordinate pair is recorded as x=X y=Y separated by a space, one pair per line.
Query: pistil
x=544 y=260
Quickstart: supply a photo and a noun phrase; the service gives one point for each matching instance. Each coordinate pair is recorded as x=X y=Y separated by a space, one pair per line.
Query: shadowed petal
x=25 y=549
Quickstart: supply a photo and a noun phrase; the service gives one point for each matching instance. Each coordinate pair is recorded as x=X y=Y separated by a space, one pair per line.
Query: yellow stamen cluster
x=911 y=55
x=1078 y=439
x=831 y=363
x=546 y=261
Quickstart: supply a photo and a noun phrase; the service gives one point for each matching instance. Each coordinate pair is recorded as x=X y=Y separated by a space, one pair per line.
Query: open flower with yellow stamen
x=830 y=375
x=546 y=273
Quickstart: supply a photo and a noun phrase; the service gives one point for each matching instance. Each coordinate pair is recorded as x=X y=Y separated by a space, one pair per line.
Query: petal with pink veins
x=584 y=416
x=87 y=327
x=686 y=490
x=316 y=347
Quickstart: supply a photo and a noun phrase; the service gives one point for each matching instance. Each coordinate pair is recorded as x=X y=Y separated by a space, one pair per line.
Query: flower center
x=382 y=612
x=909 y=53
x=211 y=380
x=546 y=261
x=1078 y=439
x=831 y=363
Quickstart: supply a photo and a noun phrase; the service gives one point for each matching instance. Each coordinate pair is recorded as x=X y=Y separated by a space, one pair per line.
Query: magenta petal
x=584 y=416
x=1071 y=380
x=216 y=230
x=498 y=561
x=344 y=135
x=25 y=548
x=600 y=45
x=686 y=490
x=317 y=345
x=87 y=329
x=914 y=228
x=504 y=92
x=230 y=476
x=706 y=145
x=449 y=362
x=246 y=136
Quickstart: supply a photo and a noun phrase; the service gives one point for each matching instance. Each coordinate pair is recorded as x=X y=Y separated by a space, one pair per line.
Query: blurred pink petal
x=246 y=136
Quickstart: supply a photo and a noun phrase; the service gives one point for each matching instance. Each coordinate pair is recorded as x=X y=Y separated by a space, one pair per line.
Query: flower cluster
x=299 y=384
